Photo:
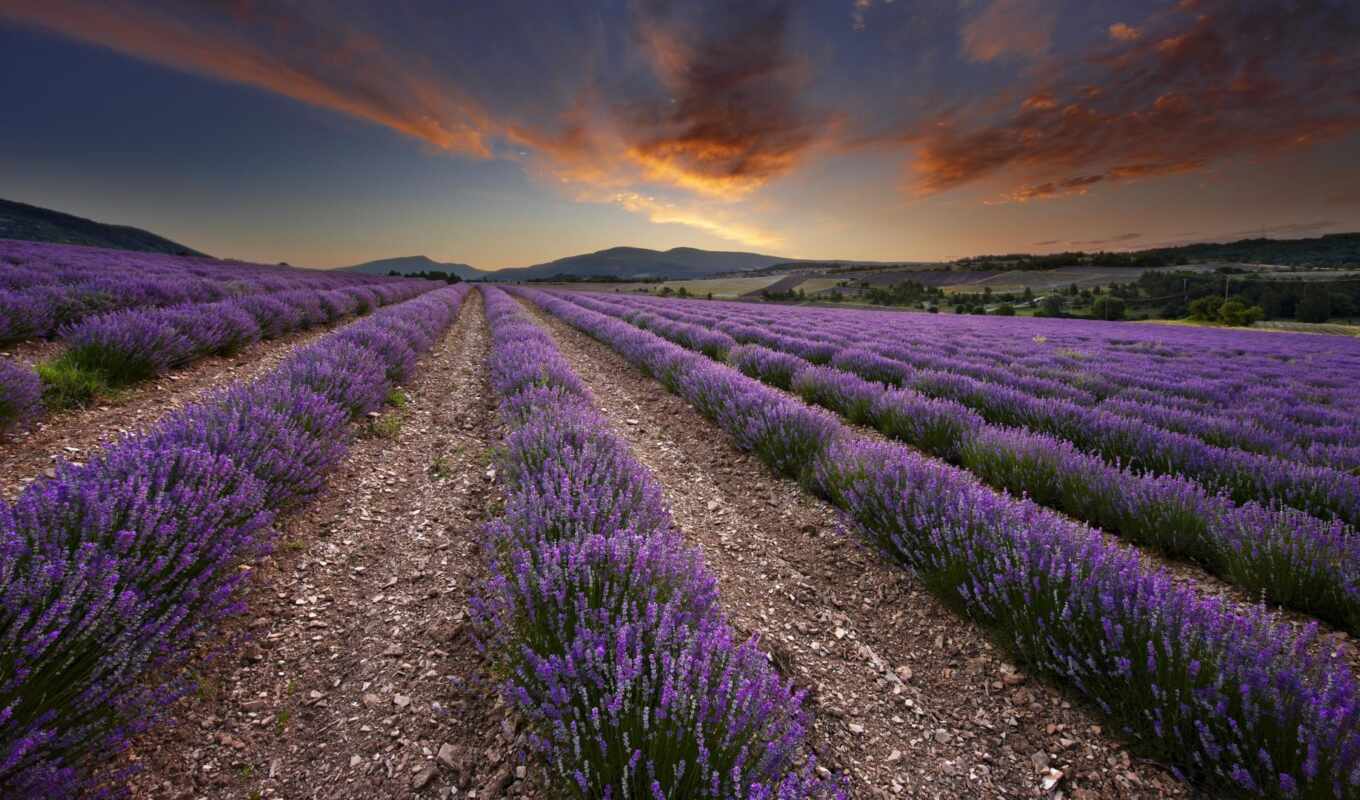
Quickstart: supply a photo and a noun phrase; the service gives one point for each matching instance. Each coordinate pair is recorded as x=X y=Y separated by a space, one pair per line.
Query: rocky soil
x=361 y=679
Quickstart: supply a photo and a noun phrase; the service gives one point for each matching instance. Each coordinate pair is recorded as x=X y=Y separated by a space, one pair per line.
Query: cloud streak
x=662 y=212
x=323 y=65
x=1121 y=238
x=1208 y=81
x=725 y=123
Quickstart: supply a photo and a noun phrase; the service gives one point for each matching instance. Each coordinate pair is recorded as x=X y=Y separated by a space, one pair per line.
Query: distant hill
x=1331 y=250
x=409 y=264
x=34 y=224
x=639 y=262
x=626 y=263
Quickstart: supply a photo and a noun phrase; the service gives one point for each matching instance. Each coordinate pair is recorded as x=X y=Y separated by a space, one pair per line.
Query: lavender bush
x=20 y=396
x=45 y=287
x=604 y=625
x=1266 y=455
x=112 y=350
x=1235 y=700
x=112 y=573
x=1288 y=557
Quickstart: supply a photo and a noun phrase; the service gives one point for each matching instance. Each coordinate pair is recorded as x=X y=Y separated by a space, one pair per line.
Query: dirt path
x=73 y=434
x=908 y=698
x=362 y=678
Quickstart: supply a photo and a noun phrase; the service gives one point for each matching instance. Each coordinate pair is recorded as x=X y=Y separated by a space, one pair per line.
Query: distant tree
x=1236 y=312
x=1205 y=309
x=933 y=309
x=1005 y=310
x=1106 y=307
x=1051 y=305
x=1029 y=295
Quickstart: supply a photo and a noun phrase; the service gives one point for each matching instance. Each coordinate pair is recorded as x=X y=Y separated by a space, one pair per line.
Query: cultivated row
x=1284 y=402
x=603 y=625
x=118 y=348
x=1320 y=490
x=114 y=573
x=1233 y=699
x=1285 y=555
x=44 y=287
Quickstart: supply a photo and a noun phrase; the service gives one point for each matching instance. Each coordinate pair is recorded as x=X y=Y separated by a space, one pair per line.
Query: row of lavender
x=1323 y=491
x=44 y=287
x=1232 y=698
x=1273 y=409
x=1246 y=371
x=1291 y=402
x=112 y=573
x=603 y=625
x=1284 y=555
x=122 y=347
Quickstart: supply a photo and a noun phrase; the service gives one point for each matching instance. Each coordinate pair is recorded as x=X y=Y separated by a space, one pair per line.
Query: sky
x=509 y=133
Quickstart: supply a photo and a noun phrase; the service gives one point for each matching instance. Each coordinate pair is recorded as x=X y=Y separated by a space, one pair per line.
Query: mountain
x=34 y=224
x=638 y=262
x=408 y=264
x=621 y=263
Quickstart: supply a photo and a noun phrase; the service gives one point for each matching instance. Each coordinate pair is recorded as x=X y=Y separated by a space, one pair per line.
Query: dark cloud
x=1294 y=229
x=1207 y=81
x=1123 y=237
x=729 y=118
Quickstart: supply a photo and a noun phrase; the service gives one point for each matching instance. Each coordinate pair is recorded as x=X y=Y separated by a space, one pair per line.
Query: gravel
x=360 y=679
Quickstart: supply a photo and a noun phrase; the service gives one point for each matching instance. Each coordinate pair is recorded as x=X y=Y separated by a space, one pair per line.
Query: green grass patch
x=387 y=426
x=69 y=384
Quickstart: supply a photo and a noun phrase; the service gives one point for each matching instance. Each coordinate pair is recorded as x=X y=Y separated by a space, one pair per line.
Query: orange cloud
x=1049 y=190
x=1124 y=33
x=727 y=122
x=331 y=68
x=1190 y=90
x=1008 y=27
x=730 y=120
x=1039 y=102
x=662 y=212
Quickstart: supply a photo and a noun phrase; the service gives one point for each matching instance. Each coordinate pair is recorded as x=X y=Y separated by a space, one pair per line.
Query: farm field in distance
x=1074 y=552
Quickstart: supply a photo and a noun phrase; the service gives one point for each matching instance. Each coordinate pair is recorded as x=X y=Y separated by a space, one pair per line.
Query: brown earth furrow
x=907 y=698
x=75 y=434
x=361 y=679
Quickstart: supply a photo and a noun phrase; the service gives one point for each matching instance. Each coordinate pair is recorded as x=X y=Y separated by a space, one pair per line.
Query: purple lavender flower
x=20 y=395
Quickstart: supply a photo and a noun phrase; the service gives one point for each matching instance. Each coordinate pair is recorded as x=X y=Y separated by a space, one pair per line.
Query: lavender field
x=501 y=541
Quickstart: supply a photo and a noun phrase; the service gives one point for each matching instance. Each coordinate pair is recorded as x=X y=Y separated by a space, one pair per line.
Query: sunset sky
x=507 y=133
